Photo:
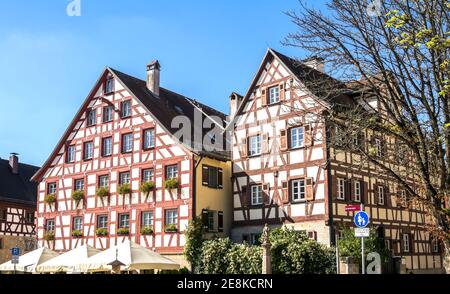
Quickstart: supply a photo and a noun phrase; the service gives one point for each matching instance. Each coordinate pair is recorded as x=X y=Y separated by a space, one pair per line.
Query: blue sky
x=49 y=61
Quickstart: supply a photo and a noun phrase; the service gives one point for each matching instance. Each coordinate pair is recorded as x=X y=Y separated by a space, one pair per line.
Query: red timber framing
x=167 y=151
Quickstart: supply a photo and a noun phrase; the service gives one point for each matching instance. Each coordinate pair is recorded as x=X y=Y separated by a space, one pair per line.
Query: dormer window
x=109 y=84
x=91 y=117
x=274 y=95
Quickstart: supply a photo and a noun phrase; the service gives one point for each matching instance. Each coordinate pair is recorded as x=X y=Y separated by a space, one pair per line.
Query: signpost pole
x=363 y=262
x=338 y=270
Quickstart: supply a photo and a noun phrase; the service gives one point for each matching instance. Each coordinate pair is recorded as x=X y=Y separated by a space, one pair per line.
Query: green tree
x=194 y=240
x=350 y=245
x=213 y=257
x=244 y=259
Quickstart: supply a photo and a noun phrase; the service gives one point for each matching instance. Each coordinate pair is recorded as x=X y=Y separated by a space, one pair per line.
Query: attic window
x=109 y=84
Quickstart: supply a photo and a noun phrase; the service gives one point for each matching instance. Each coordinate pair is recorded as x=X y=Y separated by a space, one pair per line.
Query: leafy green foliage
x=171 y=228
x=123 y=231
x=77 y=233
x=171 y=184
x=102 y=192
x=350 y=245
x=78 y=195
x=50 y=198
x=101 y=232
x=292 y=252
x=124 y=189
x=49 y=236
x=147 y=187
x=147 y=230
x=244 y=259
x=194 y=240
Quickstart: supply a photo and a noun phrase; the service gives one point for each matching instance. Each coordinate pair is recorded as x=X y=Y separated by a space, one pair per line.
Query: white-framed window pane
x=357 y=191
x=125 y=178
x=126 y=108
x=172 y=171
x=71 y=154
x=274 y=95
x=149 y=138
x=380 y=195
x=124 y=220
x=107 y=113
x=147 y=218
x=211 y=218
x=147 y=175
x=257 y=197
x=107 y=146
x=91 y=117
x=298 y=190
x=378 y=147
x=127 y=143
x=341 y=188
x=109 y=86
x=255 y=145
x=103 y=181
x=50 y=225
x=171 y=217
x=88 y=150
x=102 y=222
x=77 y=223
x=51 y=188
x=405 y=242
x=297 y=137
x=79 y=184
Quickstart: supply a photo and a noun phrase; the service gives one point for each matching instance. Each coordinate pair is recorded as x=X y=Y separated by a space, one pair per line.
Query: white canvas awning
x=130 y=256
x=68 y=261
x=29 y=261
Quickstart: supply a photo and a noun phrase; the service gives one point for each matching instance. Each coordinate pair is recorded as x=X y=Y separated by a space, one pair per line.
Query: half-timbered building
x=286 y=173
x=125 y=168
x=17 y=207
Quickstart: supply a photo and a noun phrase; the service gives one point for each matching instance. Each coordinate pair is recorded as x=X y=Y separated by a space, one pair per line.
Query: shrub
x=77 y=233
x=78 y=195
x=102 y=192
x=171 y=184
x=194 y=240
x=101 y=232
x=123 y=231
x=49 y=236
x=171 y=228
x=213 y=256
x=50 y=198
x=147 y=230
x=147 y=187
x=124 y=189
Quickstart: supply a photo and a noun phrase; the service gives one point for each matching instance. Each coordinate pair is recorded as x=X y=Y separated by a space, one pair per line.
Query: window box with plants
x=78 y=195
x=147 y=188
x=50 y=199
x=171 y=228
x=49 y=236
x=171 y=184
x=101 y=232
x=102 y=192
x=123 y=231
x=147 y=230
x=77 y=233
x=124 y=189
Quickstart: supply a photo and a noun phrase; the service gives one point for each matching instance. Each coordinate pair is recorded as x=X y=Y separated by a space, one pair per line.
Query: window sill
x=126 y=152
x=296 y=148
x=148 y=149
x=93 y=125
x=106 y=156
x=298 y=201
x=125 y=116
x=254 y=155
x=109 y=93
x=87 y=159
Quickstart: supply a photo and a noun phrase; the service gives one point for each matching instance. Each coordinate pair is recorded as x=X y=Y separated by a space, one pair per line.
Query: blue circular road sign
x=361 y=219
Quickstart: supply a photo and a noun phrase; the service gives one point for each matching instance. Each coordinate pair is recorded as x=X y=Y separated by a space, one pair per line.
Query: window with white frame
x=256 y=195
x=381 y=195
x=149 y=138
x=102 y=222
x=91 y=117
x=435 y=245
x=77 y=223
x=126 y=109
x=297 y=137
x=88 y=150
x=51 y=188
x=108 y=112
x=171 y=217
x=124 y=178
x=70 y=154
x=124 y=220
x=211 y=222
x=79 y=185
x=357 y=191
x=107 y=146
x=147 y=218
x=378 y=147
x=255 y=145
x=171 y=171
x=274 y=95
x=50 y=225
x=127 y=143
x=109 y=85
x=406 y=245
x=340 y=188
x=298 y=190
x=103 y=181
x=147 y=175
x=403 y=195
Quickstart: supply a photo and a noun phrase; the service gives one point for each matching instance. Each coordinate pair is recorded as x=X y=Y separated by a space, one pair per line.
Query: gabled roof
x=315 y=81
x=163 y=108
x=17 y=187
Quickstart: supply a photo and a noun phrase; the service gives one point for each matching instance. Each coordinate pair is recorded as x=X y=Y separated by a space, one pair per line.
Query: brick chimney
x=14 y=163
x=315 y=62
x=153 y=69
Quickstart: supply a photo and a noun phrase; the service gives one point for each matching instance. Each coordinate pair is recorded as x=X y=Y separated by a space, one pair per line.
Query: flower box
x=102 y=192
x=171 y=228
x=171 y=184
x=49 y=236
x=124 y=189
x=77 y=233
x=101 y=232
x=147 y=230
x=123 y=231
x=50 y=198
x=78 y=195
